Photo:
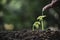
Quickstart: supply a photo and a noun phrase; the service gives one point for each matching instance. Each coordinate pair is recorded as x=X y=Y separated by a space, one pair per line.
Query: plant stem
x=42 y=25
x=42 y=22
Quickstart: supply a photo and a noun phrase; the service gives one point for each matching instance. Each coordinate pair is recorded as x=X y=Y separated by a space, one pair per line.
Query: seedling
x=40 y=18
x=40 y=21
x=36 y=24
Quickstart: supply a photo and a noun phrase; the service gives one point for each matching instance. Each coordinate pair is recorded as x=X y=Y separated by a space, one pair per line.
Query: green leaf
x=36 y=24
x=41 y=17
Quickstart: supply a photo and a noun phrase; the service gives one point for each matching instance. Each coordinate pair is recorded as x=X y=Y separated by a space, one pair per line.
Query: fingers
x=52 y=4
x=46 y=7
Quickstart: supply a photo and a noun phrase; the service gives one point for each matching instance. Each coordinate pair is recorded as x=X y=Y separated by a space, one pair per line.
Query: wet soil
x=30 y=35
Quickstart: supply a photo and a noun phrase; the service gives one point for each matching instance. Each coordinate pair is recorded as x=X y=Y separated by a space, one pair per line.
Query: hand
x=50 y=5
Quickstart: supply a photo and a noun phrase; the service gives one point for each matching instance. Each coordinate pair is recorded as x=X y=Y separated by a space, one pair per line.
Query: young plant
x=40 y=18
x=36 y=24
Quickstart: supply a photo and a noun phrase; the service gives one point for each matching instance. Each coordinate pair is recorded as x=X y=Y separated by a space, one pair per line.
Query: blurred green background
x=23 y=13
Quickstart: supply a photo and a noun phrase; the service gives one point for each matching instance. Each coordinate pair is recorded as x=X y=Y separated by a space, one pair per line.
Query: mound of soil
x=30 y=35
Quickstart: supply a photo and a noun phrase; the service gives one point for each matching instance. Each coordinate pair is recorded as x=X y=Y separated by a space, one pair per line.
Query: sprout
x=36 y=24
x=41 y=17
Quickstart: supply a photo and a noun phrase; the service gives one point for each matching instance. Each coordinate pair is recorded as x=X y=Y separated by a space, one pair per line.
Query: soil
x=30 y=35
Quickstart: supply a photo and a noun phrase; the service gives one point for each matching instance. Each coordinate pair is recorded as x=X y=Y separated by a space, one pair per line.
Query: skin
x=50 y=5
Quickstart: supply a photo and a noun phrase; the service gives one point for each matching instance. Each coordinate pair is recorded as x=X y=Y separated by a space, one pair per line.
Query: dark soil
x=30 y=35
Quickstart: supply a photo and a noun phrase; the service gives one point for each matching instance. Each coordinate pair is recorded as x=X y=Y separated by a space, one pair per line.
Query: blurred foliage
x=22 y=13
